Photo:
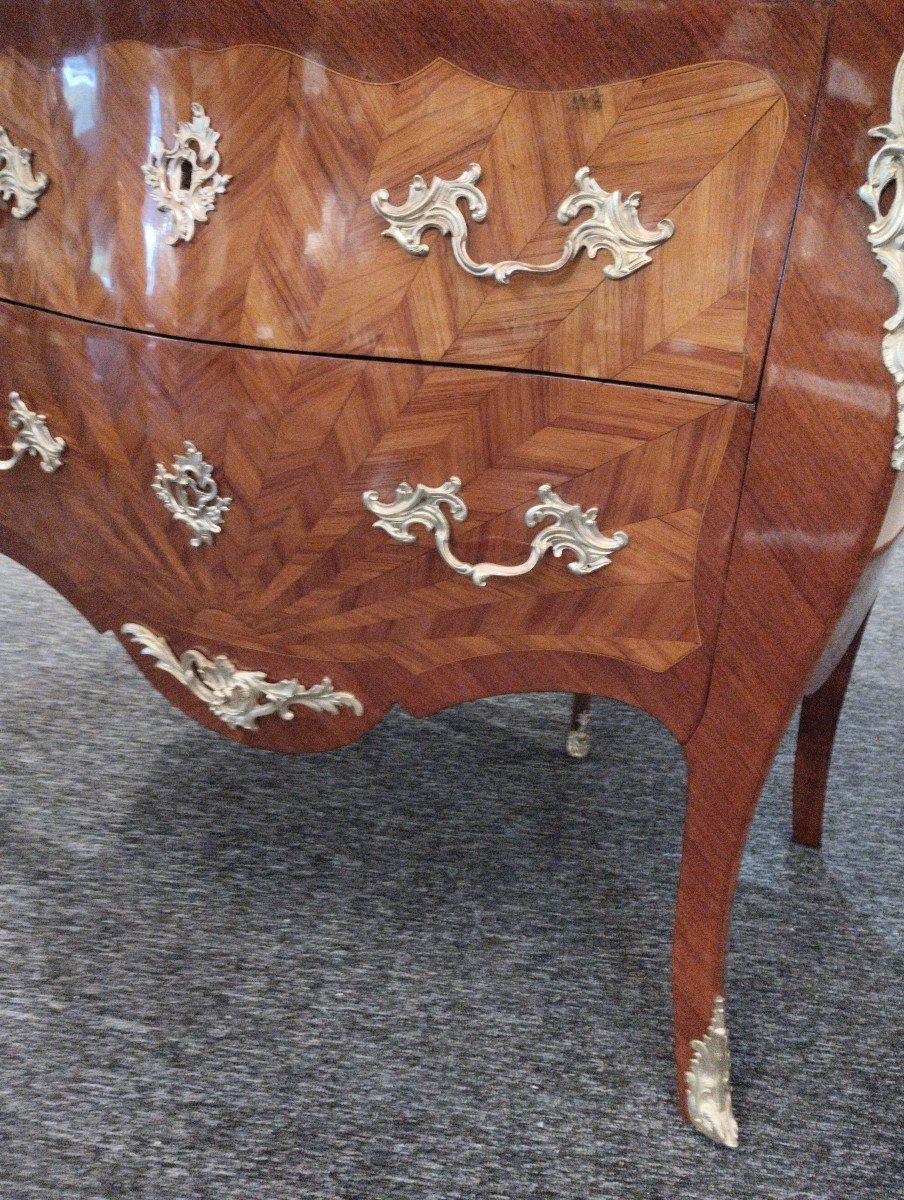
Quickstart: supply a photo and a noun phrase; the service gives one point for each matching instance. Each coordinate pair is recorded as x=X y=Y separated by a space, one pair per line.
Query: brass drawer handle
x=32 y=437
x=184 y=180
x=17 y=180
x=190 y=494
x=573 y=529
x=614 y=225
x=239 y=698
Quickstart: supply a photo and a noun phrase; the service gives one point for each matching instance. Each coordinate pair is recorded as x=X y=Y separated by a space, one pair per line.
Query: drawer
x=298 y=578
x=292 y=253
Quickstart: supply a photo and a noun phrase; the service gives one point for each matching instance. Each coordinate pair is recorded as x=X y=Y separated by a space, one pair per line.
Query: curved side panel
x=817 y=487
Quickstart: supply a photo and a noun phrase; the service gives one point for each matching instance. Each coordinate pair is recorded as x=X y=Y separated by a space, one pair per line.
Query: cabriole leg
x=709 y=859
x=819 y=716
x=726 y=771
x=577 y=744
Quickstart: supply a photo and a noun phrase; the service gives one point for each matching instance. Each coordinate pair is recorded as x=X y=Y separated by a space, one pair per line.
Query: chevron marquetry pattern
x=293 y=255
x=298 y=572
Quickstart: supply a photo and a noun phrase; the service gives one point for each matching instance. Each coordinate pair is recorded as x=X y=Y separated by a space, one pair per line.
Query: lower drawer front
x=294 y=578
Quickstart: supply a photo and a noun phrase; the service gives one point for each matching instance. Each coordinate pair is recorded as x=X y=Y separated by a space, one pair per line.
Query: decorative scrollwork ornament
x=32 y=437
x=239 y=698
x=709 y=1082
x=573 y=528
x=189 y=492
x=185 y=179
x=614 y=224
x=18 y=182
x=886 y=236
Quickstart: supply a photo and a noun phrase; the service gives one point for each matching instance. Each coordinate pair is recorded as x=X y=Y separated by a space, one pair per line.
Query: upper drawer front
x=292 y=254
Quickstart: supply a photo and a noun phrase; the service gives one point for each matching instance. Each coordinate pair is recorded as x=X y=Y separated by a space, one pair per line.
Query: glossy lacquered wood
x=819 y=716
x=293 y=255
x=301 y=581
x=817 y=486
x=549 y=48
x=741 y=606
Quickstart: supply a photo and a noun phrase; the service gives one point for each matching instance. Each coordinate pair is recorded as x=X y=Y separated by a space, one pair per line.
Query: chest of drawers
x=415 y=355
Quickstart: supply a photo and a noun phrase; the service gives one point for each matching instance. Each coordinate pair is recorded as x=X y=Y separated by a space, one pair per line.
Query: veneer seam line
x=427 y=364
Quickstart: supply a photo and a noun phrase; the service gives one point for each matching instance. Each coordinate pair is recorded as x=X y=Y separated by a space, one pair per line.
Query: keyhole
x=185 y=173
x=888 y=193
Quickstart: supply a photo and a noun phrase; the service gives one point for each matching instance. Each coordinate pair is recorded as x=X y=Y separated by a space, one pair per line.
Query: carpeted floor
x=432 y=965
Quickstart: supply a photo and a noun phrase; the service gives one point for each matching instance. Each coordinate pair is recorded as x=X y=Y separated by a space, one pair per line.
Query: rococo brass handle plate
x=573 y=529
x=17 y=180
x=32 y=437
x=614 y=224
x=239 y=698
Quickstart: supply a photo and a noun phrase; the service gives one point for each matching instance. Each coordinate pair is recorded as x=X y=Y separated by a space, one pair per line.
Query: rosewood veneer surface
x=304 y=267
x=726 y=405
x=300 y=579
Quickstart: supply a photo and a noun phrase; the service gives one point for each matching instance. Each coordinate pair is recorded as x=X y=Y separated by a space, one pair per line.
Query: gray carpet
x=432 y=965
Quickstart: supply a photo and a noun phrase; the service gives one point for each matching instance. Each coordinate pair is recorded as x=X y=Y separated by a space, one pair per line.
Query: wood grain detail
x=734 y=606
x=818 y=724
x=299 y=572
x=293 y=256
x=817 y=485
